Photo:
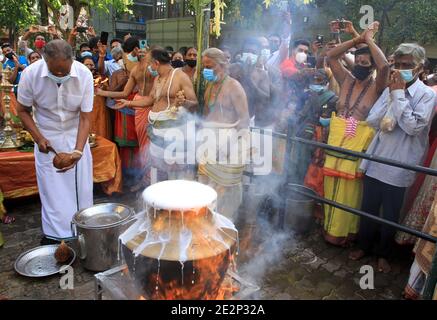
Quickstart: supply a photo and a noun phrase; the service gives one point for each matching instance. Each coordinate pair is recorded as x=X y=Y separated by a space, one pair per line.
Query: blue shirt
x=413 y=110
x=96 y=58
x=11 y=64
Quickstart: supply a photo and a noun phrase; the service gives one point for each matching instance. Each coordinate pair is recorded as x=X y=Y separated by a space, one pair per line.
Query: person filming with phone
x=16 y=63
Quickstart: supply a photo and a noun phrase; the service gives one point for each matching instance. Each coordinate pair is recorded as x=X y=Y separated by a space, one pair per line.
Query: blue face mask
x=59 y=80
x=325 y=122
x=317 y=88
x=130 y=57
x=209 y=75
x=407 y=75
x=86 y=54
x=154 y=73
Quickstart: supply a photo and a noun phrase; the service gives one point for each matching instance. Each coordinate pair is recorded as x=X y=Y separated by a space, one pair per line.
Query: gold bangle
x=78 y=152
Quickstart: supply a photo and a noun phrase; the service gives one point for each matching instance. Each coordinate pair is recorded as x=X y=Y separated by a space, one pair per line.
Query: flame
x=202 y=279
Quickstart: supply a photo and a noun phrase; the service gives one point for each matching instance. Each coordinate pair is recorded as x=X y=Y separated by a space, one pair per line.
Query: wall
x=177 y=32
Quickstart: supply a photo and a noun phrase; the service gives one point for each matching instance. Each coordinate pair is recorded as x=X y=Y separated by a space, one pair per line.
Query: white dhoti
x=60 y=198
x=225 y=178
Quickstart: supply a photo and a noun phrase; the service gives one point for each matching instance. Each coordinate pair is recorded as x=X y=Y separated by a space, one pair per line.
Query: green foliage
x=16 y=14
x=401 y=20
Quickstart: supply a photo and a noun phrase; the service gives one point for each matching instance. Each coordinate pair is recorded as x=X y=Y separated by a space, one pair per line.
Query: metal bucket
x=299 y=209
x=97 y=230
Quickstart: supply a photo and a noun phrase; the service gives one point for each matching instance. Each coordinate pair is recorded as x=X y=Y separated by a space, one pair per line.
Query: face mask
x=325 y=122
x=317 y=88
x=265 y=53
x=86 y=54
x=132 y=58
x=177 y=64
x=249 y=58
x=301 y=57
x=59 y=80
x=191 y=63
x=39 y=44
x=209 y=75
x=361 y=73
x=407 y=75
x=9 y=55
x=154 y=73
x=274 y=47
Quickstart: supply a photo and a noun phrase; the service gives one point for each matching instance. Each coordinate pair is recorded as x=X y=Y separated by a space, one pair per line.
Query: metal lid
x=102 y=215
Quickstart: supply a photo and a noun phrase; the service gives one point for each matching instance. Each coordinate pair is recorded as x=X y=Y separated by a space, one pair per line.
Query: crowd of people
x=346 y=94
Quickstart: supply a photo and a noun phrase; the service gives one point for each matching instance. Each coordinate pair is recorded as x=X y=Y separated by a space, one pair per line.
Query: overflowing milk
x=179 y=223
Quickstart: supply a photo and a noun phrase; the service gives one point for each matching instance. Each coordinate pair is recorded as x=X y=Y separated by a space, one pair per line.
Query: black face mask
x=191 y=63
x=361 y=73
x=177 y=64
x=10 y=55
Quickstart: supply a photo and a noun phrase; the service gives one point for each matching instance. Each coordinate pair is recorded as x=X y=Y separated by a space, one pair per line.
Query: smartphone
x=143 y=44
x=104 y=37
x=335 y=36
x=320 y=38
x=311 y=62
x=342 y=24
x=43 y=28
x=81 y=29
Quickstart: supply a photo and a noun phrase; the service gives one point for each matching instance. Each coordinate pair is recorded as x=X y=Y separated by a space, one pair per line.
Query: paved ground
x=305 y=267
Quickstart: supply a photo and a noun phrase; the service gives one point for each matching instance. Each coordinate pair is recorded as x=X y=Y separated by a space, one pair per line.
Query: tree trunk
x=44 y=13
x=381 y=28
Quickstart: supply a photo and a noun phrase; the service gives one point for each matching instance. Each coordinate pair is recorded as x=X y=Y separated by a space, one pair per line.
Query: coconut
x=62 y=160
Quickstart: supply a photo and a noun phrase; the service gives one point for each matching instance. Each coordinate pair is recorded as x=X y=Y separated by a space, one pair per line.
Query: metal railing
x=290 y=137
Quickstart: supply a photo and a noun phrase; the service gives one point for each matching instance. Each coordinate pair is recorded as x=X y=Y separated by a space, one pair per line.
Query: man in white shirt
x=61 y=91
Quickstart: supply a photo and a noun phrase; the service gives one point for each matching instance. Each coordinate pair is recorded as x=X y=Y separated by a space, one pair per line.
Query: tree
x=101 y=5
x=401 y=20
x=15 y=15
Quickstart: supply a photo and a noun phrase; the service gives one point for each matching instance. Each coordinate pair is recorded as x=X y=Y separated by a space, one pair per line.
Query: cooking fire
x=179 y=247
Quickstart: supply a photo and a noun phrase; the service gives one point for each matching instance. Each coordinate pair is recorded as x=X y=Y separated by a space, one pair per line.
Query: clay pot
x=182 y=254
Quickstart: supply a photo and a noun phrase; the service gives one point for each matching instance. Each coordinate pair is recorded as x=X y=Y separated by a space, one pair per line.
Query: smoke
x=258 y=225
x=267 y=255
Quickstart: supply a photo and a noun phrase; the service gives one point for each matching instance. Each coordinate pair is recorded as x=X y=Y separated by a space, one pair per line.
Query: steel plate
x=40 y=262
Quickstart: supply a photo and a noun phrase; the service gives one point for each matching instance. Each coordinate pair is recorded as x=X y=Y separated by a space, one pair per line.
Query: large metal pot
x=97 y=230
x=299 y=209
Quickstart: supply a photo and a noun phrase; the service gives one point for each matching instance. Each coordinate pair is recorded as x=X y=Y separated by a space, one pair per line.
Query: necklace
x=160 y=86
x=217 y=93
x=349 y=111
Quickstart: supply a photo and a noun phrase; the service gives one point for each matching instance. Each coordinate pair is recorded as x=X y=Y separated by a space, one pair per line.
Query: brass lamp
x=11 y=141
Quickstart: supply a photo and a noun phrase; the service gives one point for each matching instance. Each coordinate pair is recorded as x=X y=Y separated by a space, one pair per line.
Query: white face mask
x=350 y=56
x=301 y=57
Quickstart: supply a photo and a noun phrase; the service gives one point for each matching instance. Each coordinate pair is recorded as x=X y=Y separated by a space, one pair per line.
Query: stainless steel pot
x=299 y=209
x=97 y=230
